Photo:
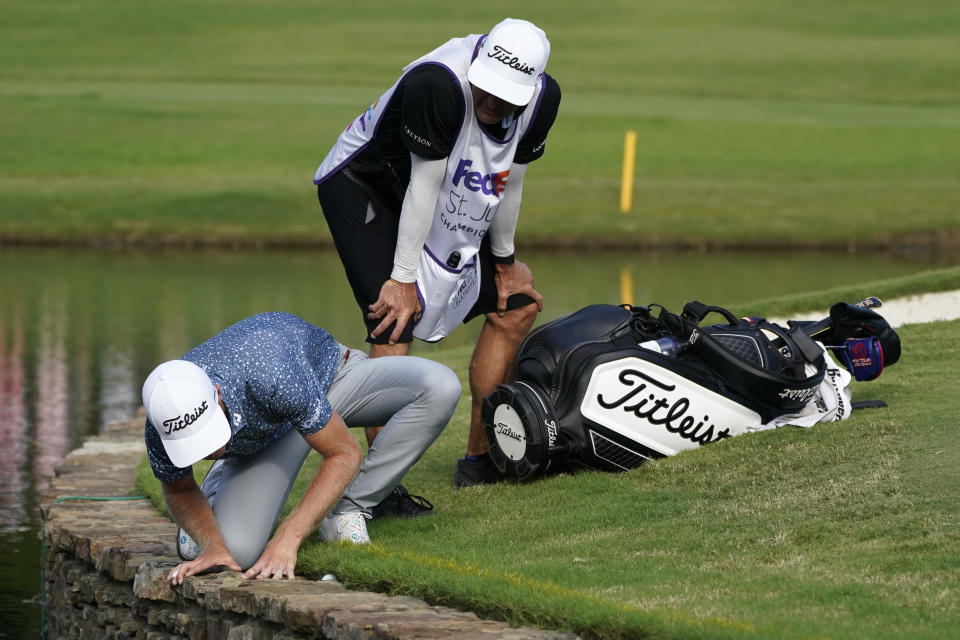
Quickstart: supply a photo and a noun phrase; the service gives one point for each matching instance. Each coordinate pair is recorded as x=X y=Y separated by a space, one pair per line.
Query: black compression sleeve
x=431 y=111
x=534 y=140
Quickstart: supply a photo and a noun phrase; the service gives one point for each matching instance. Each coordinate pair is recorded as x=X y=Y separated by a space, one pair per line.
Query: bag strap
x=696 y=311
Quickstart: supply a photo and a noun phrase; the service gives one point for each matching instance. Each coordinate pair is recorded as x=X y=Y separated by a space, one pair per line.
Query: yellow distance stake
x=626 y=286
x=626 y=182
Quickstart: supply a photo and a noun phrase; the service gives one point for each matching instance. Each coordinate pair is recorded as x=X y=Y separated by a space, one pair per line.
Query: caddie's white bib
x=478 y=169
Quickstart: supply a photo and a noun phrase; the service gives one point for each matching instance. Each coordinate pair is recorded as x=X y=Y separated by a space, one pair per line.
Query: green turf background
x=758 y=122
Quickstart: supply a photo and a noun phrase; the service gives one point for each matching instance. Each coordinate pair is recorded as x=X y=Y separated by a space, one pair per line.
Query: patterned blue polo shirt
x=274 y=370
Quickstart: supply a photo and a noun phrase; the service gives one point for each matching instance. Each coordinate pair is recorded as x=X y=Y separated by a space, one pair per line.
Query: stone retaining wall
x=105 y=565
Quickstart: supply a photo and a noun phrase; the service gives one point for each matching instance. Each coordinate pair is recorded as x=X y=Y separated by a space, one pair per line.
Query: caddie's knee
x=515 y=323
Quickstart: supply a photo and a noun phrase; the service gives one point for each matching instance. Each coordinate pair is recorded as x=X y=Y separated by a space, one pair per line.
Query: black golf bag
x=608 y=387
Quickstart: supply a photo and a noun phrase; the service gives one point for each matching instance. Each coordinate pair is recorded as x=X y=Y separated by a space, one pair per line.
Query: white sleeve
x=505 y=222
x=416 y=215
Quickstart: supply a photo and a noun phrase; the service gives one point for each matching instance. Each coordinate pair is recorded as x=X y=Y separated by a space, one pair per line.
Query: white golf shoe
x=351 y=527
x=187 y=549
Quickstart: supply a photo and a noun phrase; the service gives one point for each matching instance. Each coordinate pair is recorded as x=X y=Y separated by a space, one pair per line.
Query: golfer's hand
x=515 y=278
x=398 y=303
x=277 y=561
x=213 y=557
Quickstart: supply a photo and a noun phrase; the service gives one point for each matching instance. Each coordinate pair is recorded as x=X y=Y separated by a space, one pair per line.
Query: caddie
x=257 y=398
x=422 y=193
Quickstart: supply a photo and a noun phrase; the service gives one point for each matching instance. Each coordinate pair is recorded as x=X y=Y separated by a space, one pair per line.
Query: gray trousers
x=412 y=398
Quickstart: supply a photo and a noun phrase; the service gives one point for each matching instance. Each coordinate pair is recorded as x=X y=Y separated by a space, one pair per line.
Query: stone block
x=242 y=632
x=151 y=582
x=131 y=627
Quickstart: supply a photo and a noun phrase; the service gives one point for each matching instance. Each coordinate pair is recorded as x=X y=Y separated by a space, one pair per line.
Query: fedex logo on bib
x=489 y=184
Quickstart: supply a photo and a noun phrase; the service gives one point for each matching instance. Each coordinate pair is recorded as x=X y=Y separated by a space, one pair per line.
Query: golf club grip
x=820 y=326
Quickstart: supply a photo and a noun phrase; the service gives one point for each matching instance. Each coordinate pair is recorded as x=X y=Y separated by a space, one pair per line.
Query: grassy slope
x=757 y=121
x=843 y=530
x=932 y=281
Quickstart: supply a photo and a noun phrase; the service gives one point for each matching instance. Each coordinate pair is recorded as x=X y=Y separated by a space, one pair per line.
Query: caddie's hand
x=277 y=561
x=213 y=557
x=398 y=303
x=515 y=278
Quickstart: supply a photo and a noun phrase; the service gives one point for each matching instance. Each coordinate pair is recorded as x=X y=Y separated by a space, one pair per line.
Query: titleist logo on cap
x=506 y=57
x=184 y=421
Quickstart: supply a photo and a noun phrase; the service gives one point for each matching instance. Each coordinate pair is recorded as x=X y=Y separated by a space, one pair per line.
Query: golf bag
x=608 y=387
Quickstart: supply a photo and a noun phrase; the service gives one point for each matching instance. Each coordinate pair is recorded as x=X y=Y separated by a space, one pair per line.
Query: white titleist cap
x=511 y=58
x=181 y=404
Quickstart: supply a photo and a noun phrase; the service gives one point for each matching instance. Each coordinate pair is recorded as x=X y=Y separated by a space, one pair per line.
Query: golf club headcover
x=851 y=321
x=863 y=357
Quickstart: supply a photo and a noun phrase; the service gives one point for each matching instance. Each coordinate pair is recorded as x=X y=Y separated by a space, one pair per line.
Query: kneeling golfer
x=257 y=397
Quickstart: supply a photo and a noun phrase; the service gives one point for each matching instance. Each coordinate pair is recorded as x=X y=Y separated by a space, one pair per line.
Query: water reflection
x=118 y=398
x=13 y=423
x=51 y=429
x=80 y=330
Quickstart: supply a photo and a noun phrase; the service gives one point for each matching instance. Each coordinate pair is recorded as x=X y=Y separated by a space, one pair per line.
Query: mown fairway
x=757 y=121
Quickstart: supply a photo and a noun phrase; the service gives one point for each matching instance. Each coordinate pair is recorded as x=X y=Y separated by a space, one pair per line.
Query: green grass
x=931 y=281
x=759 y=122
x=842 y=530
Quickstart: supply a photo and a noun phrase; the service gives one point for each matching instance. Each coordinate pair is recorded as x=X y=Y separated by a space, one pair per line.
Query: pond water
x=79 y=331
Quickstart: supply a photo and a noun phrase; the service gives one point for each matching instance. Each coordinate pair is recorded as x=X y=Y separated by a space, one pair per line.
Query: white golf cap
x=511 y=58
x=181 y=404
